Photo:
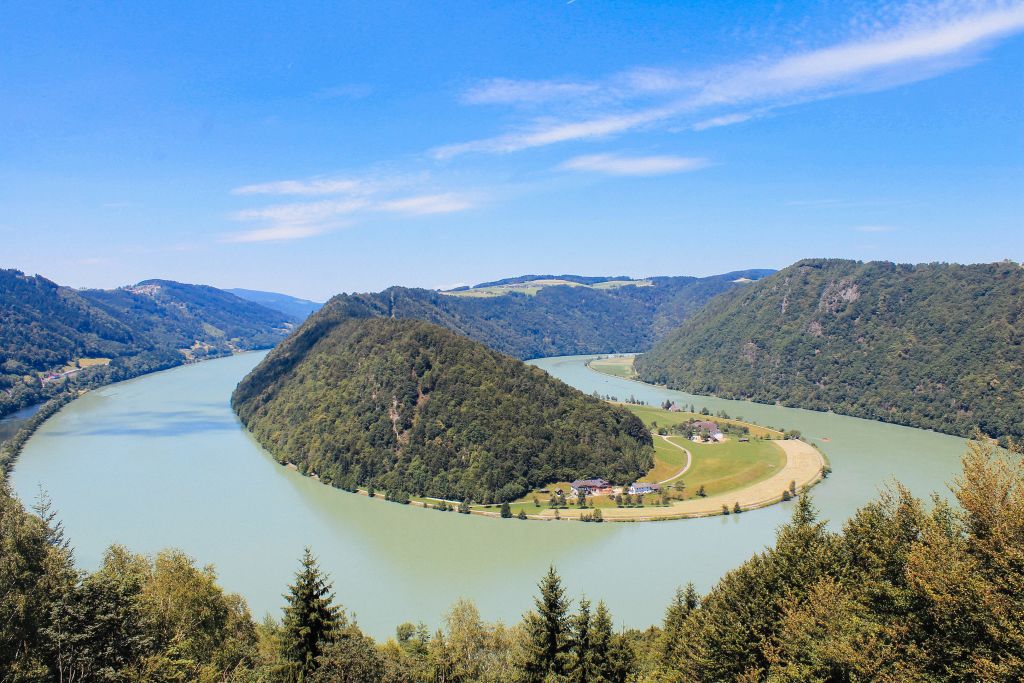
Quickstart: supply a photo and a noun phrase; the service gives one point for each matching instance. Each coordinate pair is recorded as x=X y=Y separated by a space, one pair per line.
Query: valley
x=167 y=448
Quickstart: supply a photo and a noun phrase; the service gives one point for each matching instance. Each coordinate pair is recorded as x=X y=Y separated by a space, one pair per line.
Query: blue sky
x=328 y=147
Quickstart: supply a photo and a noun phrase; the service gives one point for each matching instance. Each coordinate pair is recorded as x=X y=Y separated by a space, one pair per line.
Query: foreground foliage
x=409 y=407
x=905 y=592
x=931 y=346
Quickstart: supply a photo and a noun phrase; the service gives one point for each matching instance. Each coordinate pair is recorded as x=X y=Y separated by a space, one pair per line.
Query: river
x=161 y=461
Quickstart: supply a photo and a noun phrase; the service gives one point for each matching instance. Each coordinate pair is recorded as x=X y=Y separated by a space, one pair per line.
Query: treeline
x=905 y=592
x=407 y=407
x=934 y=346
x=557 y=321
x=11 y=449
x=44 y=327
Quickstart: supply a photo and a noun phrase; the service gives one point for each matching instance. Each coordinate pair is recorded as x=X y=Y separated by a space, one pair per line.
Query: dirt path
x=803 y=465
x=689 y=461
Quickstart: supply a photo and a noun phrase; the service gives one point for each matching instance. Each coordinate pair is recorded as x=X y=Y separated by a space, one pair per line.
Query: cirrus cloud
x=613 y=164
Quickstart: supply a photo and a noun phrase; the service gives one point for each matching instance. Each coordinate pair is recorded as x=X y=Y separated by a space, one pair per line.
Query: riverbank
x=168 y=448
x=12 y=447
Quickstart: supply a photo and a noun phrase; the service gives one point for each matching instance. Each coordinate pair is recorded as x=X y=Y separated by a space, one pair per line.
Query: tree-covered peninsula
x=407 y=406
x=933 y=345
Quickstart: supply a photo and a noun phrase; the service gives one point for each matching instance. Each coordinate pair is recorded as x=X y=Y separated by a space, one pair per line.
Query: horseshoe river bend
x=162 y=461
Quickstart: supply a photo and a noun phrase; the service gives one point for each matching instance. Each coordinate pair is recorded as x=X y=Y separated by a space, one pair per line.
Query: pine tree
x=506 y=511
x=673 y=630
x=583 y=669
x=310 y=617
x=548 y=636
x=601 y=645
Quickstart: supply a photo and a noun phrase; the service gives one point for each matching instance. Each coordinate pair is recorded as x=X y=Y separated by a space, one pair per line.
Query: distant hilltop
x=531 y=284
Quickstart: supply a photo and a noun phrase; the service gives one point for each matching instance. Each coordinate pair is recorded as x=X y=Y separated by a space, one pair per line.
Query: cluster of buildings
x=600 y=487
x=702 y=427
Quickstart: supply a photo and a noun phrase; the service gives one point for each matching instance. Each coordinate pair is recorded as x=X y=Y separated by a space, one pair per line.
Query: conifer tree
x=506 y=511
x=548 y=636
x=674 y=630
x=310 y=617
x=583 y=669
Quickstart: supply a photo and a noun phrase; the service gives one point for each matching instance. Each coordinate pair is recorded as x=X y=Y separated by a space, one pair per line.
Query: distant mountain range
x=52 y=337
x=935 y=345
x=551 y=319
x=300 y=309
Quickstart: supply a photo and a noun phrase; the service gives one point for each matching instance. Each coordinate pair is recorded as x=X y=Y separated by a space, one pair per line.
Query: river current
x=162 y=461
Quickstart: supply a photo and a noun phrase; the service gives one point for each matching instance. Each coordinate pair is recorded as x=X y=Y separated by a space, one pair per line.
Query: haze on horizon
x=349 y=148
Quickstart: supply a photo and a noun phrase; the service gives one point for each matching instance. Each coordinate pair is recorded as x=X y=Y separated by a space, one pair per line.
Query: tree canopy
x=407 y=406
x=933 y=345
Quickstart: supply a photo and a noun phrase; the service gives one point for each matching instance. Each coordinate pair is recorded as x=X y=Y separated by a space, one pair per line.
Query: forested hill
x=937 y=345
x=50 y=334
x=556 y=320
x=407 y=406
x=300 y=309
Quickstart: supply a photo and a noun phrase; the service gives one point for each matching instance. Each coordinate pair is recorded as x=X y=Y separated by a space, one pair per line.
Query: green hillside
x=49 y=333
x=553 y=320
x=404 y=405
x=938 y=346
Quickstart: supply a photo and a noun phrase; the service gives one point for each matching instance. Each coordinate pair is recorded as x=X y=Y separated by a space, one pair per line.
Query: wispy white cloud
x=726 y=120
x=613 y=164
x=427 y=204
x=300 y=220
x=276 y=233
x=294 y=221
x=934 y=41
x=510 y=91
x=311 y=187
x=301 y=212
x=547 y=135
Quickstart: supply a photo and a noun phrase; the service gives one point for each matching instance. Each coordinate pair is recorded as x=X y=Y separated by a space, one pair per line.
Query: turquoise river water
x=162 y=461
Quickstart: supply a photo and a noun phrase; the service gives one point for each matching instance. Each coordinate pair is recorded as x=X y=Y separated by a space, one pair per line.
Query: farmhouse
x=642 y=487
x=590 y=487
x=706 y=426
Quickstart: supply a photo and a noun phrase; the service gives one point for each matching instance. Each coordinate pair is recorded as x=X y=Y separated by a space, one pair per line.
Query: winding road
x=689 y=460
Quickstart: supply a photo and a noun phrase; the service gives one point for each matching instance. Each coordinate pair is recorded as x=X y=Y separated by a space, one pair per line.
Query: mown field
x=619 y=366
x=718 y=467
x=533 y=286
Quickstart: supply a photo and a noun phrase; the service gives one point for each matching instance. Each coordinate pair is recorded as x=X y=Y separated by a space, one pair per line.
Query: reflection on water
x=10 y=424
x=162 y=461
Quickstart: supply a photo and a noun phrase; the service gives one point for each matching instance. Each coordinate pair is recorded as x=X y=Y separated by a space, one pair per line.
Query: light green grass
x=666 y=418
x=533 y=286
x=617 y=367
x=730 y=465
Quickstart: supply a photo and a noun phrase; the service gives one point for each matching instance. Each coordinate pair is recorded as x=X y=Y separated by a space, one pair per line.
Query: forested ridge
x=557 y=320
x=906 y=591
x=299 y=309
x=937 y=346
x=408 y=406
x=44 y=327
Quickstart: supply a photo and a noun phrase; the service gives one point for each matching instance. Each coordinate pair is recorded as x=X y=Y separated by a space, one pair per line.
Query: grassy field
x=90 y=362
x=730 y=465
x=621 y=366
x=532 y=287
x=718 y=467
x=664 y=418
